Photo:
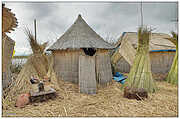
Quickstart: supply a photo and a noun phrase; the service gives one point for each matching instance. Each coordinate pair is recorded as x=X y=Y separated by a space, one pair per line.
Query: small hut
x=81 y=56
x=9 y=22
x=8 y=47
x=162 y=52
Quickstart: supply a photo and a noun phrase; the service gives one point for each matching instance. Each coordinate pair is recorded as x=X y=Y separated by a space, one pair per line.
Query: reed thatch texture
x=122 y=66
x=7 y=51
x=36 y=47
x=52 y=75
x=140 y=75
x=161 y=60
x=158 y=41
x=66 y=65
x=108 y=102
x=68 y=48
x=173 y=73
x=87 y=74
x=39 y=59
x=9 y=21
x=37 y=66
x=23 y=85
x=103 y=67
x=160 y=63
x=125 y=50
x=40 y=62
x=80 y=35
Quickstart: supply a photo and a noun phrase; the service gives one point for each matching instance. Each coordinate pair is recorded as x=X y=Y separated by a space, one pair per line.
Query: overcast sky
x=109 y=20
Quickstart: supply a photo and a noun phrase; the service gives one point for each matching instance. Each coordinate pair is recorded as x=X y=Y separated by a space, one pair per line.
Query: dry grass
x=22 y=83
x=39 y=59
x=108 y=101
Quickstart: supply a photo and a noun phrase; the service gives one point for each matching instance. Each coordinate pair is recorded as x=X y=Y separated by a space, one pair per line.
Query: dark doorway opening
x=89 y=51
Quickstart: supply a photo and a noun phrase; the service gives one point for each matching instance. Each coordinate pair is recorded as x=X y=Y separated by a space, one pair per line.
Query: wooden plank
x=87 y=75
x=34 y=94
x=43 y=95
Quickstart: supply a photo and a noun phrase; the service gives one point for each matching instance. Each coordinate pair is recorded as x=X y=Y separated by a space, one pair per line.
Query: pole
x=35 y=27
x=141 y=14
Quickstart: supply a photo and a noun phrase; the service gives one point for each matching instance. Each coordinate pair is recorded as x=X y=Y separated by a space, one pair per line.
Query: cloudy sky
x=109 y=20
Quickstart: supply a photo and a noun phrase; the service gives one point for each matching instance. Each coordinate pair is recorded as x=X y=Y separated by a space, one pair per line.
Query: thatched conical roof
x=9 y=21
x=80 y=35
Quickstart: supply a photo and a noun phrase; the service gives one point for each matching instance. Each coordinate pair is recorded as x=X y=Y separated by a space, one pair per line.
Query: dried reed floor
x=108 y=102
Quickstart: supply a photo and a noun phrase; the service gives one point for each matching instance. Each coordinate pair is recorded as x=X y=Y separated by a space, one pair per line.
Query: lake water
x=19 y=61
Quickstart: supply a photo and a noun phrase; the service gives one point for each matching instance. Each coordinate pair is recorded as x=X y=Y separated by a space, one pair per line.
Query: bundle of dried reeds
x=173 y=73
x=37 y=66
x=22 y=83
x=36 y=47
x=39 y=59
x=140 y=75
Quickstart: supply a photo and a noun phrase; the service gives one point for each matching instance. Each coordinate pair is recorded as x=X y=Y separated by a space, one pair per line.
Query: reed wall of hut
x=8 y=47
x=66 y=65
x=160 y=62
x=103 y=67
x=162 y=52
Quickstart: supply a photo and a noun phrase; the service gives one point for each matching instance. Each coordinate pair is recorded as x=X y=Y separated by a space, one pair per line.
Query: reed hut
x=7 y=52
x=81 y=56
x=162 y=52
x=9 y=22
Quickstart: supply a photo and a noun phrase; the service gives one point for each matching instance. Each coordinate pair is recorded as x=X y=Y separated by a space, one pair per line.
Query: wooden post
x=35 y=28
x=141 y=15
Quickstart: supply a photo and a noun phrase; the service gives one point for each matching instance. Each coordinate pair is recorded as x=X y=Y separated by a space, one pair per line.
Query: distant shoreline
x=20 y=57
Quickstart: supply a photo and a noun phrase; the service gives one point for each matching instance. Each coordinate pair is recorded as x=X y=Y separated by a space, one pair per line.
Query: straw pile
x=108 y=102
x=37 y=66
x=22 y=83
x=39 y=59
